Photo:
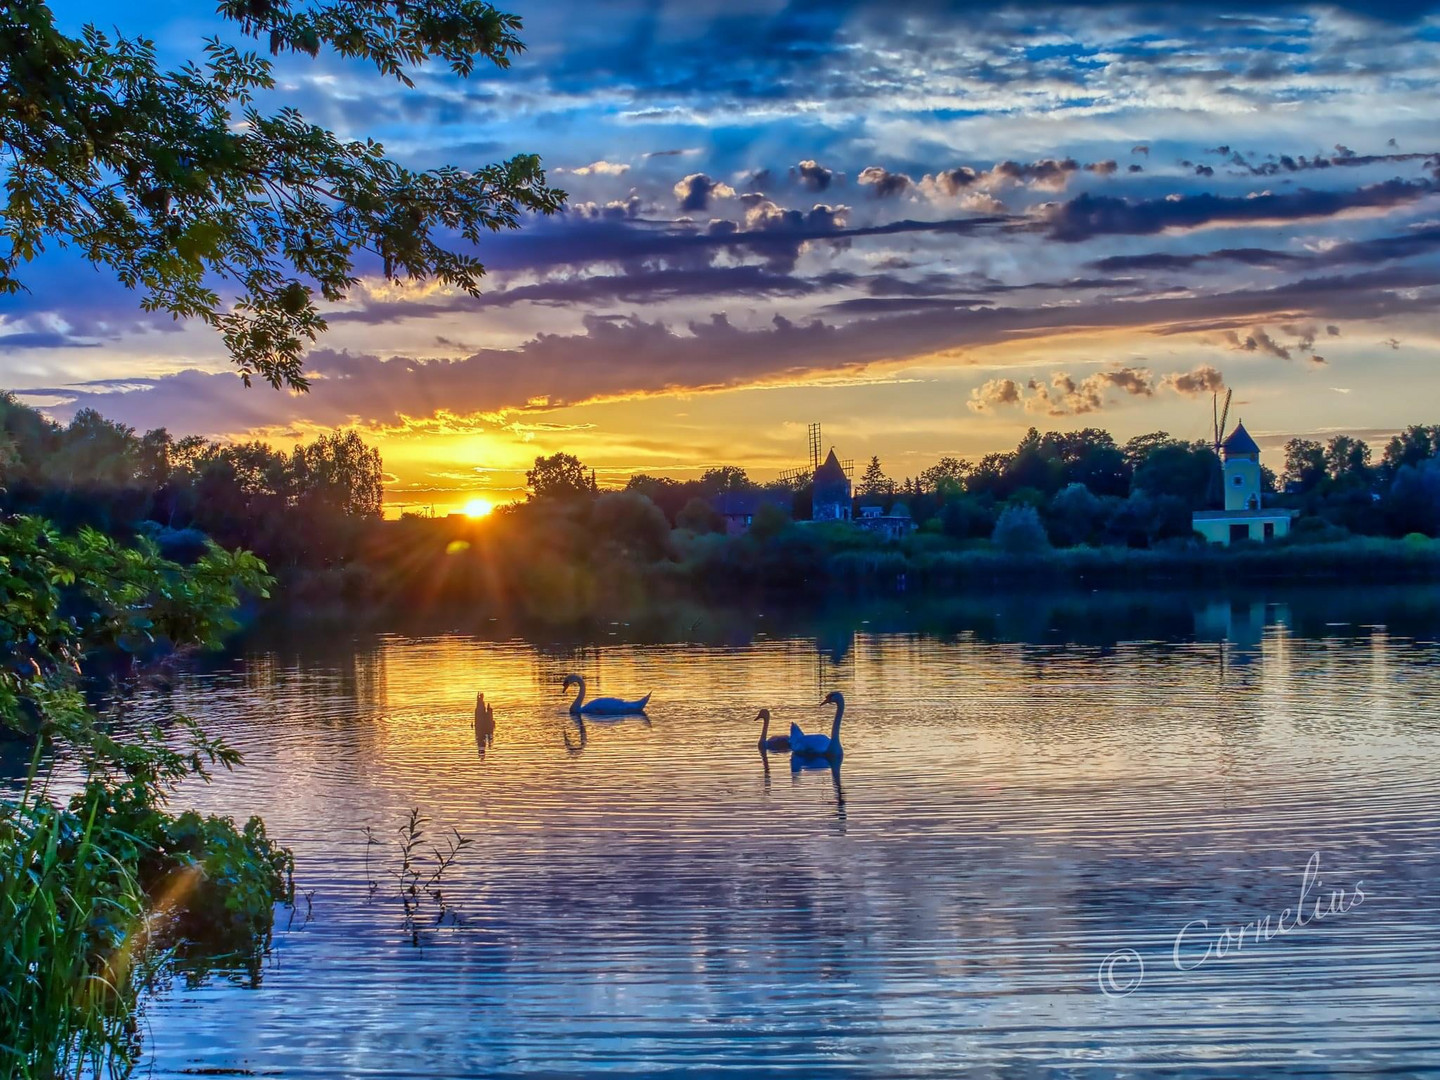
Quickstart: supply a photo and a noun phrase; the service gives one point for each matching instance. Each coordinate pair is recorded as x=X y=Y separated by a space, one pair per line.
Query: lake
x=1051 y=850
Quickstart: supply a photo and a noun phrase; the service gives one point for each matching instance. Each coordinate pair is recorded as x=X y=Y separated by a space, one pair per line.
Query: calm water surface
x=651 y=898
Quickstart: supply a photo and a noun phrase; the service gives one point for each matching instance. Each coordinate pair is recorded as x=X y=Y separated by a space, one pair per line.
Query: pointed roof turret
x=830 y=471
x=1240 y=442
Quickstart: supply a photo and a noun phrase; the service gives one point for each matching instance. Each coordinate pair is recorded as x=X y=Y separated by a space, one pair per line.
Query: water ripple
x=648 y=898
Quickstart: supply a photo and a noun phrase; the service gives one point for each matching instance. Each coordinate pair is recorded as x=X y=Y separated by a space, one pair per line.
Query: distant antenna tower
x=814 y=446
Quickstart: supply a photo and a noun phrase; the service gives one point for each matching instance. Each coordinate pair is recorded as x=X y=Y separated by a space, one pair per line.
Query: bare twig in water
x=421 y=873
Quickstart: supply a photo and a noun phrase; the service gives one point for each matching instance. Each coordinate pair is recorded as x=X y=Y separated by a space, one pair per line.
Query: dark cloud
x=885 y=182
x=695 y=191
x=1370 y=252
x=1258 y=340
x=43 y=339
x=1102 y=168
x=615 y=210
x=635 y=245
x=813 y=175
x=641 y=287
x=954 y=181
x=1051 y=174
x=1344 y=157
x=628 y=355
x=1087 y=216
x=1159 y=260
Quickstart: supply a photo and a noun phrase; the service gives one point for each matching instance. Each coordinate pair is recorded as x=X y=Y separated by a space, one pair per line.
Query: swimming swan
x=772 y=742
x=821 y=745
x=601 y=706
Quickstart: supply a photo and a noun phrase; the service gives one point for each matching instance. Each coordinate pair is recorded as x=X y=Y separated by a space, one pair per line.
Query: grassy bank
x=552 y=569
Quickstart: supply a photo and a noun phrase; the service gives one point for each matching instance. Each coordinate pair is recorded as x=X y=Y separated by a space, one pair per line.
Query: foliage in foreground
x=98 y=894
x=172 y=179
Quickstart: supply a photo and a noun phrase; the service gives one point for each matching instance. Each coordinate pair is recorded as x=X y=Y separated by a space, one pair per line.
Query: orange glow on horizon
x=478 y=508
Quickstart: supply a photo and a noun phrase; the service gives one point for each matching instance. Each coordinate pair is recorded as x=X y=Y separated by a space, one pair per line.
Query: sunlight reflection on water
x=653 y=899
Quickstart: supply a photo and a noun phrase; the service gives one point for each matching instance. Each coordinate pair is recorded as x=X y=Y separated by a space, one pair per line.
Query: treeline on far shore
x=1062 y=509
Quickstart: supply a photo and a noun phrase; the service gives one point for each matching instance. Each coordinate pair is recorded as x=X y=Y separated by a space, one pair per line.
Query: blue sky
x=928 y=226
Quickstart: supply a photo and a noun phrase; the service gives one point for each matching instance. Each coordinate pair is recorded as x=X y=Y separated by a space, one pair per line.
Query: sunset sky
x=926 y=226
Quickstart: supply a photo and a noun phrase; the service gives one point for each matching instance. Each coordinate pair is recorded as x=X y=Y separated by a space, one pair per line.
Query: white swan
x=821 y=745
x=602 y=706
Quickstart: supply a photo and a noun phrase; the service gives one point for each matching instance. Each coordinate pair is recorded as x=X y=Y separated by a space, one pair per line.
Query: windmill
x=798 y=477
x=1221 y=416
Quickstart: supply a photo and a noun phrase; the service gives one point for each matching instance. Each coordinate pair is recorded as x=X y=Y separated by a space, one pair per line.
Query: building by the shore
x=830 y=491
x=739 y=508
x=893 y=524
x=1245 y=516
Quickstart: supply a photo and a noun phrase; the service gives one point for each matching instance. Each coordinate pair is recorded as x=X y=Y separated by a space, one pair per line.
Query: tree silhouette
x=176 y=181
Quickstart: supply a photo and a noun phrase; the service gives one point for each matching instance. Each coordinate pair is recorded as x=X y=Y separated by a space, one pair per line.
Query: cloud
x=993 y=394
x=1411 y=244
x=614 y=210
x=1203 y=379
x=1087 y=216
x=43 y=339
x=1064 y=396
x=1344 y=157
x=600 y=168
x=1047 y=174
x=951 y=181
x=813 y=175
x=695 y=191
x=640 y=287
x=1258 y=340
x=885 y=183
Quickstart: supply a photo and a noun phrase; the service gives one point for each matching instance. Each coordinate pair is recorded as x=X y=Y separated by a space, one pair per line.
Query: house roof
x=743 y=503
x=830 y=471
x=1240 y=442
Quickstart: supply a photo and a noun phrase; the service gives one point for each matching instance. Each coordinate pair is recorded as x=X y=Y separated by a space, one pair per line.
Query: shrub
x=1019 y=531
x=700 y=517
x=78 y=885
x=1075 y=515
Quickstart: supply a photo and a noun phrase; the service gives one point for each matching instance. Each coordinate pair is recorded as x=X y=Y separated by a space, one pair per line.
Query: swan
x=773 y=742
x=821 y=745
x=602 y=706
x=484 y=723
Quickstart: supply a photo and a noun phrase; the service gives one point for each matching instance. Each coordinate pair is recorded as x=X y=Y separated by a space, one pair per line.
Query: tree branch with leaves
x=178 y=183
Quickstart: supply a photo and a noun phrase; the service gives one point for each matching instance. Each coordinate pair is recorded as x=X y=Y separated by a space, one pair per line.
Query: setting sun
x=478 y=508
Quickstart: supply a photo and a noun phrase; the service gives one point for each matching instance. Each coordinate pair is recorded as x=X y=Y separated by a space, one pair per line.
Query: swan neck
x=835 y=727
x=579 y=694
